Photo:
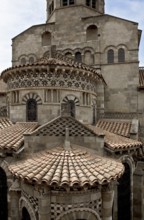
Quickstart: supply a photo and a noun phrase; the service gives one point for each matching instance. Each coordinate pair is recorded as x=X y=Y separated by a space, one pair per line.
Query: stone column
x=14 y=194
x=138 y=192
x=45 y=207
x=107 y=202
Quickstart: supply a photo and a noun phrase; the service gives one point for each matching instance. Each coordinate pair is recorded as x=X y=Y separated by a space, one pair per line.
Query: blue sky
x=19 y=15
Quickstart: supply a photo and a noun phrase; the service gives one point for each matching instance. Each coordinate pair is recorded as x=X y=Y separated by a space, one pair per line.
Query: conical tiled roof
x=74 y=168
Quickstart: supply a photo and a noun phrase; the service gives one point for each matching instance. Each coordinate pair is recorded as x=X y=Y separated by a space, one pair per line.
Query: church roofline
x=112 y=16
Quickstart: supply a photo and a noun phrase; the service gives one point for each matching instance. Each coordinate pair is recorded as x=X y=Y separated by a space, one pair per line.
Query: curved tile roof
x=67 y=168
x=117 y=127
x=11 y=137
x=5 y=122
x=116 y=142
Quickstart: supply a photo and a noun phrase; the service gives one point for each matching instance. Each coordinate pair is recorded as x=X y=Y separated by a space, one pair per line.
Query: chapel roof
x=4 y=122
x=120 y=127
x=61 y=168
x=11 y=137
x=117 y=143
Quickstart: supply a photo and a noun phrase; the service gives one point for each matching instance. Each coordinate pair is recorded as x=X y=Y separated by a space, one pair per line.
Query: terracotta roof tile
x=5 y=122
x=116 y=142
x=61 y=168
x=118 y=127
x=11 y=138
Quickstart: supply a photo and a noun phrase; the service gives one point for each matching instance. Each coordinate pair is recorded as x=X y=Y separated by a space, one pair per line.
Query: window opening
x=25 y=214
x=68 y=2
x=121 y=55
x=78 y=57
x=31 y=110
x=124 y=195
x=46 y=38
x=3 y=196
x=88 y=2
x=110 y=56
x=93 y=3
x=92 y=32
x=23 y=61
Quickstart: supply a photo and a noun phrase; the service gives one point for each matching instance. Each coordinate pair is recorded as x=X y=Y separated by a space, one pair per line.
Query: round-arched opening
x=78 y=57
x=68 y=108
x=92 y=32
x=3 y=196
x=25 y=214
x=124 y=195
x=31 y=107
x=46 y=39
x=68 y=54
x=121 y=55
x=110 y=56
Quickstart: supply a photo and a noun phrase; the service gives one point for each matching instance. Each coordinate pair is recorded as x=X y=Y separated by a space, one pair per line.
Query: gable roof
x=5 y=122
x=117 y=143
x=11 y=137
x=121 y=127
x=57 y=127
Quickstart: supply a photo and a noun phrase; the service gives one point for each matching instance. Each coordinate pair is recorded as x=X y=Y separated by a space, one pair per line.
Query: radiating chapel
x=72 y=118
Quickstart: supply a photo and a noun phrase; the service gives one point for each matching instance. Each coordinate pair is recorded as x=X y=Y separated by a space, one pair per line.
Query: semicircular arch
x=32 y=95
x=24 y=203
x=79 y=213
x=71 y=98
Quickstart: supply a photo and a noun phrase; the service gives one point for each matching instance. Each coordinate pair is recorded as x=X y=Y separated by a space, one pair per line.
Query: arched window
x=46 y=39
x=124 y=195
x=3 y=195
x=88 y=58
x=110 y=56
x=25 y=214
x=68 y=2
x=68 y=54
x=121 y=55
x=91 y=3
x=68 y=108
x=78 y=57
x=31 y=60
x=23 y=61
x=51 y=7
x=92 y=32
x=31 y=110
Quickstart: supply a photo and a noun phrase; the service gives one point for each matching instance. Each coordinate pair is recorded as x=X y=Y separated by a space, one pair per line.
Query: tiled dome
x=72 y=168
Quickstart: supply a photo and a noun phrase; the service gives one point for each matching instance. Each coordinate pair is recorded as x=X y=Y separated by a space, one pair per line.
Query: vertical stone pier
x=107 y=202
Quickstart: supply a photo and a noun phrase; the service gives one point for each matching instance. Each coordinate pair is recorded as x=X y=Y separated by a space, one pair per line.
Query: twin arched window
x=91 y=3
x=68 y=2
x=121 y=56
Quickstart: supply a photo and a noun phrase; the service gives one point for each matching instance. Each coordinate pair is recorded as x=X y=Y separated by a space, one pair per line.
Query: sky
x=18 y=15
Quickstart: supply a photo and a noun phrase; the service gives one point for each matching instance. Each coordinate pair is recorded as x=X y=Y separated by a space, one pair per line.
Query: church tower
x=97 y=6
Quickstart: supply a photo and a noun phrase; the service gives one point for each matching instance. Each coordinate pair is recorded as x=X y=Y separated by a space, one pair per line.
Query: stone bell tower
x=90 y=7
